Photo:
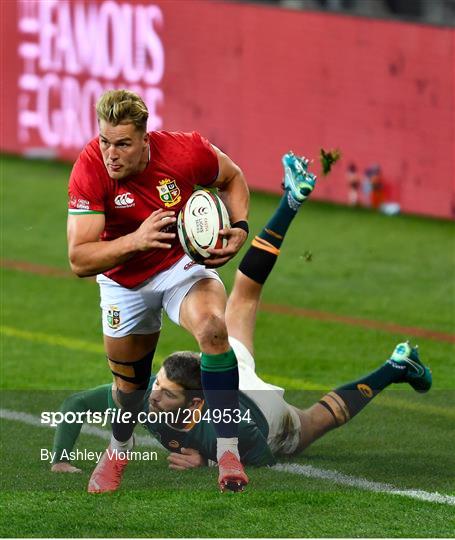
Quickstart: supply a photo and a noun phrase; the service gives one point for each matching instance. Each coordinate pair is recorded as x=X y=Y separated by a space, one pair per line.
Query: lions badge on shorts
x=113 y=317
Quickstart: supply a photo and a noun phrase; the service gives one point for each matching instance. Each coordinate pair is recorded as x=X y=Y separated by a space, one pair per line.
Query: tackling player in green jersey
x=268 y=425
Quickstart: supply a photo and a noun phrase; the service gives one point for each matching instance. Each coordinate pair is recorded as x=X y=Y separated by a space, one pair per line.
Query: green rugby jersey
x=201 y=436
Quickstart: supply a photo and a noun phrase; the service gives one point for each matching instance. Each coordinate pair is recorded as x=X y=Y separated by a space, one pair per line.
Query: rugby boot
x=298 y=181
x=231 y=473
x=415 y=372
x=107 y=475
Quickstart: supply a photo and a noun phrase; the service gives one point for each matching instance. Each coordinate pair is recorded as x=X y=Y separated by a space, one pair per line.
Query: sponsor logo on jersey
x=173 y=444
x=113 y=317
x=169 y=192
x=365 y=390
x=79 y=204
x=189 y=265
x=124 y=200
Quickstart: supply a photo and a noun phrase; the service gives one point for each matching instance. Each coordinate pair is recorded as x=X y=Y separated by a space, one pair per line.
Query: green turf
x=364 y=265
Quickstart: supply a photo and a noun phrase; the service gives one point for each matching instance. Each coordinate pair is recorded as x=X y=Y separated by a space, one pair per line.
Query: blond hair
x=122 y=107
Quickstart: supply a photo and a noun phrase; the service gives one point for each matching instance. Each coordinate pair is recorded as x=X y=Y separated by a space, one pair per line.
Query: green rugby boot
x=297 y=180
x=415 y=373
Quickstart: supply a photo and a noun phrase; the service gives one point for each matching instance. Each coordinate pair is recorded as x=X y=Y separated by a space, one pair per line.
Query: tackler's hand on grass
x=64 y=467
x=188 y=459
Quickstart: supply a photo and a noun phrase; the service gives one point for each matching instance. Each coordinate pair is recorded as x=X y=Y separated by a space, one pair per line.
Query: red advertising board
x=256 y=80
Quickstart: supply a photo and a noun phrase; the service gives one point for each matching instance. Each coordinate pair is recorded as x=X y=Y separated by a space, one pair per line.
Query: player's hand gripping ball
x=199 y=223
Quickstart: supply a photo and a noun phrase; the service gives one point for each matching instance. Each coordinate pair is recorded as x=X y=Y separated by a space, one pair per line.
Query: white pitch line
x=352 y=481
x=32 y=420
x=293 y=468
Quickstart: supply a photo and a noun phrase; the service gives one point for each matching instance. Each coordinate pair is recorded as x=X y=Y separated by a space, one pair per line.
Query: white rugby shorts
x=283 y=420
x=139 y=310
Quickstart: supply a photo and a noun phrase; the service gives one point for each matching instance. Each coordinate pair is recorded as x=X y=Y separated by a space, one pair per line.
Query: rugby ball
x=199 y=223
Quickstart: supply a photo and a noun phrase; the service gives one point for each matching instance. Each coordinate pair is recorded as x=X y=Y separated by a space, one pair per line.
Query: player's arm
x=253 y=449
x=66 y=434
x=233 y=190
x=89 y=256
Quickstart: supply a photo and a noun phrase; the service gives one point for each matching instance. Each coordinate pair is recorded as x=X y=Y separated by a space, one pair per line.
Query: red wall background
x=255 y=80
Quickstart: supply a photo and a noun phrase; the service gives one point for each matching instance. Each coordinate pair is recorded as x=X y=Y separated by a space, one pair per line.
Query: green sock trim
x=218 y=362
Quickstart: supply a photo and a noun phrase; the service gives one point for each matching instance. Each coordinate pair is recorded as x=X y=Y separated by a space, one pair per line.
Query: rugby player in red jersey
x=125 y=191
x=269 y=427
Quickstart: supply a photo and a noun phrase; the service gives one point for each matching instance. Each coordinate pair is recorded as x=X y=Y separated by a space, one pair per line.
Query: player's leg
x=342 y=404
x=66 y=434
x=130 y=360
x=202 y=314
x=260 y=258
x=242 y=308
x=131 y=331
x=243 y=302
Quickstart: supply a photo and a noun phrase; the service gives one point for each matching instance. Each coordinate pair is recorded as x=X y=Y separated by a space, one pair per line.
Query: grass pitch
x=365 y=265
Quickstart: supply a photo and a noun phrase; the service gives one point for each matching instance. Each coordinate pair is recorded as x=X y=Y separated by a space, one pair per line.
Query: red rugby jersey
x=178 y=162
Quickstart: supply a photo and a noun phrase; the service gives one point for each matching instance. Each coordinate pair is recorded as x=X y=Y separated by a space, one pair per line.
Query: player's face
x=124 y=149
x=166 y=395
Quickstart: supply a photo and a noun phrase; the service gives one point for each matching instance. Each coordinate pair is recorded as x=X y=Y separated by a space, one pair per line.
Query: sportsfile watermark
x=42 y=442
x=118 y=416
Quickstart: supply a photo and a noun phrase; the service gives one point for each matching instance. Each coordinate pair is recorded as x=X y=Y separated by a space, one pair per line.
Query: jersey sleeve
x=253 y=447
x=204 y=161
x=66 y=434
x=85 y=189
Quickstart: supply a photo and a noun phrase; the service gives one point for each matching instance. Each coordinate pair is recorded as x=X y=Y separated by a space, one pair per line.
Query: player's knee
x=211 y=331
x=132 y=374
